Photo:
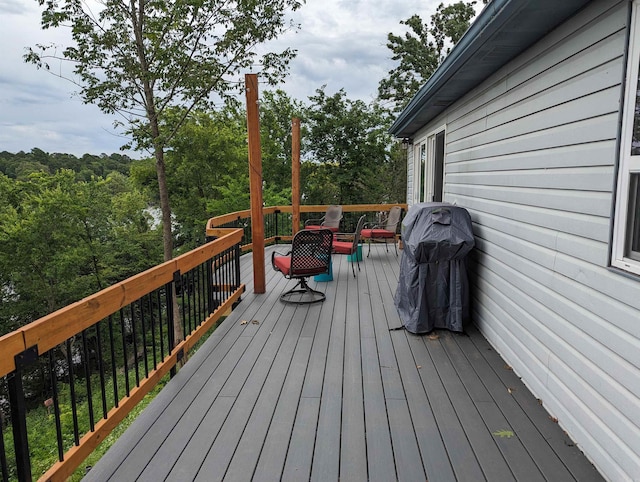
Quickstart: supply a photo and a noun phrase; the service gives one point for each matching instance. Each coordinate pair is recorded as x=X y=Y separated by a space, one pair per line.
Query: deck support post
x=255 y=183
x=295 y=174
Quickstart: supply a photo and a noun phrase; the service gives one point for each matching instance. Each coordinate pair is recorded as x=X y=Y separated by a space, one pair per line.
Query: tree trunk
x=167 y=236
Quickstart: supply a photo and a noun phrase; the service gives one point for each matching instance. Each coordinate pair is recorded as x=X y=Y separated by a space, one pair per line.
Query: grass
x=101 y=449
x=41 y=425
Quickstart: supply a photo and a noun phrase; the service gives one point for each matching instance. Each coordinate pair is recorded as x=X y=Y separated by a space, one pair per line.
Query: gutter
x=490 y=20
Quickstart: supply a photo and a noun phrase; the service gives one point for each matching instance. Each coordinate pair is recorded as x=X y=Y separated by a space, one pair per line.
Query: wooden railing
x=96 y=359
x=278 y=220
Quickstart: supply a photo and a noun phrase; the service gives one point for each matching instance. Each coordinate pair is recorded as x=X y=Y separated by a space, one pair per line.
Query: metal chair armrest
x=314 y=221
x=372 y=226
x=273 y=256
x=338 y=236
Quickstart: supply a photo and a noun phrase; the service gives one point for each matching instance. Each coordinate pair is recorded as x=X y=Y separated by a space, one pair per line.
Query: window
x=632 y=243
x=626 y=238
x=429 y=167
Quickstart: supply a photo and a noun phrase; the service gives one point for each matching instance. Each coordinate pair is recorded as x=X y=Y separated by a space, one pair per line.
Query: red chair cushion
x=308 y=266
x=377 y=233
x=343 y=247
x=313 y=226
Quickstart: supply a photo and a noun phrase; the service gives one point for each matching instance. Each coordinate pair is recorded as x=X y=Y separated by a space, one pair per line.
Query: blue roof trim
x=503 y=30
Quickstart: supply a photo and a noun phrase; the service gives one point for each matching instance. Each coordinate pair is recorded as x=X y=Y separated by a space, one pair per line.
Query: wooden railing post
x=295 y=175
x=255 y=183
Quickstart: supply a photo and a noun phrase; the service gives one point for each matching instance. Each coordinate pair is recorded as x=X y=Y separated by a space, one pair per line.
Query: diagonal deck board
x=328 y=392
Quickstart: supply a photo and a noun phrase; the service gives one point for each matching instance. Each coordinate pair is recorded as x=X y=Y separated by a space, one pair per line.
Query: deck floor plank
x=549 y=446
x=515 y=445
x=388 y=363
x=246 y=384
x=300 y=456
x=353 y=449
x=326 y=457
x=254 y=435
x=459 y=450
x=327 y=392
x=484 y=444
x=274 y=452
x=432 y=448
x=380 y=463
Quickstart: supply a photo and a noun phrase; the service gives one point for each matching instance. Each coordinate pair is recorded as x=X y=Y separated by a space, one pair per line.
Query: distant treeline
x=21 y=164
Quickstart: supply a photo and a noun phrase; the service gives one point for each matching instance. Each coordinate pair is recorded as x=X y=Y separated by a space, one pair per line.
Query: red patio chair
x=349 y=247
x=310 y=255
x=384 y=230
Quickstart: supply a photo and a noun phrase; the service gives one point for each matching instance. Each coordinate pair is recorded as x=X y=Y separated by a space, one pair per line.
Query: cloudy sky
x=341 y=44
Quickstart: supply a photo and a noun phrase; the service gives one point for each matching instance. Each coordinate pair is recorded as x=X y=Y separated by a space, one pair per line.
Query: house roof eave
x=503 y=30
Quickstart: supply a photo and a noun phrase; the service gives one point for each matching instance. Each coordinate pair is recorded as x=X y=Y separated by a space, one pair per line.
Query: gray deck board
x=328 y=392
x=353 y=447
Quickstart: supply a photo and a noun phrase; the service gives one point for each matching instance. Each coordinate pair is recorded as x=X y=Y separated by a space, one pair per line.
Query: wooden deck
x=327 y=392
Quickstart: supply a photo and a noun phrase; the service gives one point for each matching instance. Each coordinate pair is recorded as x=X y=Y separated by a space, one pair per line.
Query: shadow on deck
x=327 y=392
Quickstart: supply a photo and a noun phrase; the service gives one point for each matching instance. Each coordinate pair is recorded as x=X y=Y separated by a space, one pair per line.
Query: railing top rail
x=216 y=221
x=53 y=329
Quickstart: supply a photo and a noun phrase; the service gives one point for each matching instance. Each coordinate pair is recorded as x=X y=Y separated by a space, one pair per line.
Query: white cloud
x=341 y=44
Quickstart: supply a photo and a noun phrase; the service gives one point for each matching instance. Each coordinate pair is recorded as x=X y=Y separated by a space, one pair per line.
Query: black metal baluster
x=170 y=318
x=153 y=331
x=187 y=286
x=19 y=413
x=72 y=393
x=220 y=273
x=209 y=285
x=226 y=285
x=183 y=306
x=124 y=352
x=196 y=300
x=195 y=290
x=144 y=339
x=87 y=375
x=160 y=325
x=213 y=283
x=135 y=342
x=200 y=297
x=3 y=456
x=224 y=272
x=56 y=405
x=103 y=389
x=236 y=283
x=221 y=266
x=114 y=372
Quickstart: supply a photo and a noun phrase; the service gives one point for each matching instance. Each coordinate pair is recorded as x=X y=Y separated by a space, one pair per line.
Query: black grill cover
x=433 y=289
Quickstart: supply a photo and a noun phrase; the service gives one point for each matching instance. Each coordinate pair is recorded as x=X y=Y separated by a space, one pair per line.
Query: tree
x=141 y=58
x=208 y=154
x=346 y=150
x=20 y=165
x=61 y=240
x=422 y=49
x=277 y=110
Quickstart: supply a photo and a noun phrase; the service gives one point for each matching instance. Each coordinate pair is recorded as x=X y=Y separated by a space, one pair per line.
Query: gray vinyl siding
x=531 y=154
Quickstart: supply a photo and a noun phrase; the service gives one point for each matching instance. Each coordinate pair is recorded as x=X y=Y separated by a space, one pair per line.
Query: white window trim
x=429 y=140
x=420 y=190
x=628 y=163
